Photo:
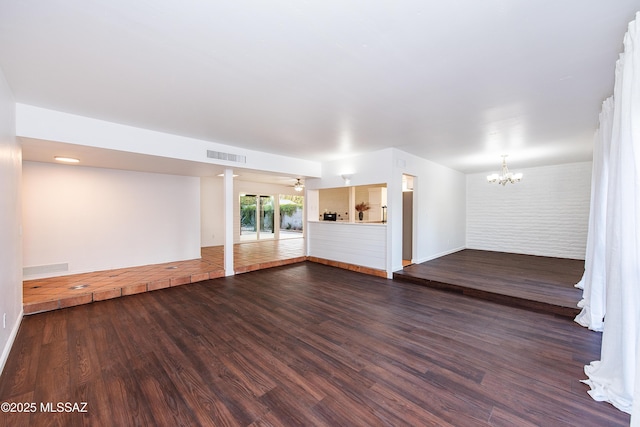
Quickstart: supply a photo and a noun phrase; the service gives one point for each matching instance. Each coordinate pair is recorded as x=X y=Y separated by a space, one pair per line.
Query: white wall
x=98 y=219
x=211 y=211
x=366 y=169
x=439 y=200
x=10 y=224
x=547 y=213
x=439 y=208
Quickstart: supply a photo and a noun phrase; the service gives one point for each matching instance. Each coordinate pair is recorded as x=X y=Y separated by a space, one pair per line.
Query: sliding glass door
x=266 y=229
x=290 y=216
x=248 y=212
x=256 y=217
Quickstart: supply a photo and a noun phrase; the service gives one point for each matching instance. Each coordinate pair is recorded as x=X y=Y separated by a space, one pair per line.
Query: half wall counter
x=359 y=246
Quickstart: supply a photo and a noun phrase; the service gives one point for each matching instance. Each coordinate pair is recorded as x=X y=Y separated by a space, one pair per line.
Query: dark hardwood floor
x=542 y=284
x=305 y=344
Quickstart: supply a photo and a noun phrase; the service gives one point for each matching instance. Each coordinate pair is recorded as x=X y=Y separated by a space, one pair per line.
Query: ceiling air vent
x=226 y=156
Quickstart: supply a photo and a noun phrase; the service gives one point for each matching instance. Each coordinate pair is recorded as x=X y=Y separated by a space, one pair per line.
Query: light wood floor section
x=66 y=291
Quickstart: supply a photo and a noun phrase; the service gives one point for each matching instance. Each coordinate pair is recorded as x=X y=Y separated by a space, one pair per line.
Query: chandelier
x=505 y=176
x=298 y=186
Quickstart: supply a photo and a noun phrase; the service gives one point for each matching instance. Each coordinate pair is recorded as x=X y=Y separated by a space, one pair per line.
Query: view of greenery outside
x=290 y=213
x=266 y=214
x=248 y=213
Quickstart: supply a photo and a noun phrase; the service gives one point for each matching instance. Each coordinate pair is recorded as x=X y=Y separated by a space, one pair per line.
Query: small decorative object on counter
x=361 y=208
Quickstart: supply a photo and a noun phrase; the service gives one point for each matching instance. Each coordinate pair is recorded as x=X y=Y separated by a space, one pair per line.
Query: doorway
x=265 y=217
x=256 y=217
x=407 y=220
x=291 y=221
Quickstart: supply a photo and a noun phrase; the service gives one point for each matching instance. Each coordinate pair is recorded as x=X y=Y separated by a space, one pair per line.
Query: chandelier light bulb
x=506 y=176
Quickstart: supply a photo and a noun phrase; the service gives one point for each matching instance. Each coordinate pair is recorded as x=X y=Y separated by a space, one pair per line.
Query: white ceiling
x=457 y=82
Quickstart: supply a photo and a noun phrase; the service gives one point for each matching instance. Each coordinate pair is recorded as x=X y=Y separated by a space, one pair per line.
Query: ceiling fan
x=298 y=186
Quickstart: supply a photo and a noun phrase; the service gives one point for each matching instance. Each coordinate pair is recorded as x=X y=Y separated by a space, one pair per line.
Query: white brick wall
x=547 y=213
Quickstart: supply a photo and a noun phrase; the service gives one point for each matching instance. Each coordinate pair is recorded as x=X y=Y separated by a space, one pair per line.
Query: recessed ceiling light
x=66 y=159
x=234 y=175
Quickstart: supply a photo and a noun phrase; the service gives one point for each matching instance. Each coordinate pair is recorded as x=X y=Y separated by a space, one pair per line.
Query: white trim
x=228 y=222
x=9 y=345
x=441 y=254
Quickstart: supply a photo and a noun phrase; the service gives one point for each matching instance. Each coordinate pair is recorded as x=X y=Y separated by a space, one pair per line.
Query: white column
x=352 y=205
x=228 y=222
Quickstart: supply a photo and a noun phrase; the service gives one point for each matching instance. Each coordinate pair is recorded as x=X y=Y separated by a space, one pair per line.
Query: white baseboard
x=10 y=341
x=419 y=261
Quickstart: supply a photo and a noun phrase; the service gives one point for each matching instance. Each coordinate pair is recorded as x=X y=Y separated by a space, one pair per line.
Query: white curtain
x=593 y=280
x=613 y=378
